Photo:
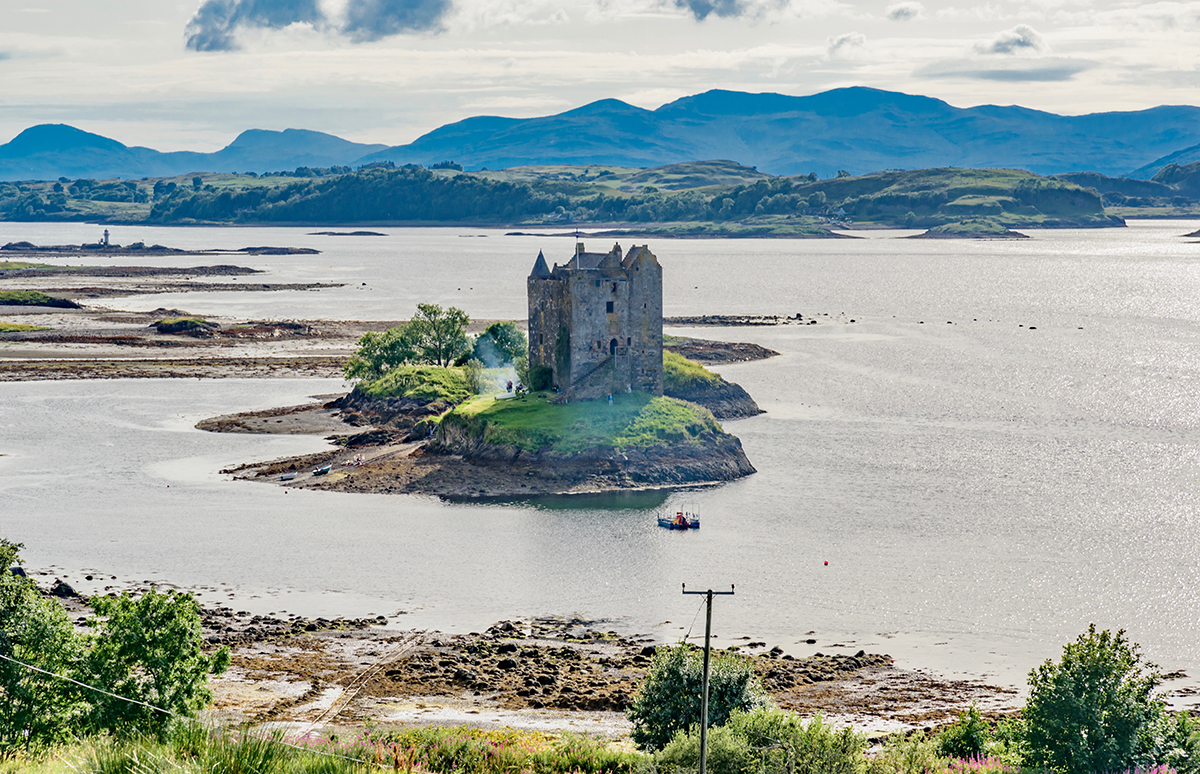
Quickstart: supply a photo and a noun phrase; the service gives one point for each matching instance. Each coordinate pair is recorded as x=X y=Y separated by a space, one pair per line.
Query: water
x=999 y=450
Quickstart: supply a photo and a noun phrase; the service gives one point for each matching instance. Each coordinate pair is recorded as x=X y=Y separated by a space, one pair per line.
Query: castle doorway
x=612 y=348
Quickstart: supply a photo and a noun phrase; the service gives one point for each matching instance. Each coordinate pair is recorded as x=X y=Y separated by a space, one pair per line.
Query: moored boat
x=680 y=520
x=288 y=476
x=323 y=469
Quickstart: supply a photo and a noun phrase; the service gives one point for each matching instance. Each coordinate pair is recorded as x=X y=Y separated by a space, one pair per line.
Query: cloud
x=5 y=55
x=723 y=8
x=1047 y=69
x=905 y=11
x=1021 y=38
x=375 y=19
x=845 y=45
x=215 y=25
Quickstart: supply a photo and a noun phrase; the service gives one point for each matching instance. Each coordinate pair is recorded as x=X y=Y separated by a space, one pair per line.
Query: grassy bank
x=533 y=422
x=429 y=382
x=683 y=375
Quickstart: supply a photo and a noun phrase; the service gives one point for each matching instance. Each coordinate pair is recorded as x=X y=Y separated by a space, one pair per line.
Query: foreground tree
x=36 y=709
x=1095 y=710
x=668 y=700
x=148 y=649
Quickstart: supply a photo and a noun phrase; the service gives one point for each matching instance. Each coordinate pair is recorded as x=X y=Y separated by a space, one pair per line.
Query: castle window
x=614 y=287
x=628 y=340
x=608 y=307
x=597 y=283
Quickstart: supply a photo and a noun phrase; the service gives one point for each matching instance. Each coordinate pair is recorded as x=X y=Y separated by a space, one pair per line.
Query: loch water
x=990 y=443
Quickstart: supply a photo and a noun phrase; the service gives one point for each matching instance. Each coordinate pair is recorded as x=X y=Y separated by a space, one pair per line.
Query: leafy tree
x=36 y=709
x=966 y=738
x=149 y=649
x=441 y=333
x=668 y=700
x=378 y=353
x=1094 y=710
x=500 y=344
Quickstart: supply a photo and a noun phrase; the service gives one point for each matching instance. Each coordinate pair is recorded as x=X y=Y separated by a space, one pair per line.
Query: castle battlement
x=596 y=322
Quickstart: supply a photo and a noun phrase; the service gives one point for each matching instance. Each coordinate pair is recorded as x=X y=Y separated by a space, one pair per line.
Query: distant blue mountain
x=856 y=129
x=50 y=151
x=1181 y=157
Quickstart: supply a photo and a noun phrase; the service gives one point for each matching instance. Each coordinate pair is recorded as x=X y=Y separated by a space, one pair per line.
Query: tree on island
x=434 y=336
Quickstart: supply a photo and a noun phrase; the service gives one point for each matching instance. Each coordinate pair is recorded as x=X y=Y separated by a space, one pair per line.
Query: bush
x=783 y=742
x=728 y=753
x=541 y=377
x=914 y=754
x=668 y=699
x=966 y=738
x=1095 y=710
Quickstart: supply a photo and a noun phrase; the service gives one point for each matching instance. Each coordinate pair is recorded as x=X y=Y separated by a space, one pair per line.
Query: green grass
x=681 y=374
x=432 y=382
x=533 y=422
x=973 y=226
x=20 y=328
x=17 y=265
x=193 y=748
x=24 y=298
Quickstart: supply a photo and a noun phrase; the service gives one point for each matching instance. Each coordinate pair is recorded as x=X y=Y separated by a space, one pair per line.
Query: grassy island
x=534 y=422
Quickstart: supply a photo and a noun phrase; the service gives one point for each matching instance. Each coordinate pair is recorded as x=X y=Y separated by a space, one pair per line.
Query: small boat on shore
x=680 y=520
x=288 y=476
x=323 y=469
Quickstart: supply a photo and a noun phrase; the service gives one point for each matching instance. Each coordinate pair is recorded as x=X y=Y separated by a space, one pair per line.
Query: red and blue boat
x=680 y=520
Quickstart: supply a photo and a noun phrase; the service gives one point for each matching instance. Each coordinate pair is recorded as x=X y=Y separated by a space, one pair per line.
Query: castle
x=596 y=323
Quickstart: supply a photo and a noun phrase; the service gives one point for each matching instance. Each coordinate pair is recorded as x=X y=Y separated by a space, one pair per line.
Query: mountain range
x=855 y=129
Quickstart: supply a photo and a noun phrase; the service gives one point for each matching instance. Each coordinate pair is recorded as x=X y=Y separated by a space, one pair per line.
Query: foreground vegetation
x=698 y=199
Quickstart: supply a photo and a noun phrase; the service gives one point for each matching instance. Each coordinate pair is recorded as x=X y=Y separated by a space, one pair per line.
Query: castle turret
x=540 y=270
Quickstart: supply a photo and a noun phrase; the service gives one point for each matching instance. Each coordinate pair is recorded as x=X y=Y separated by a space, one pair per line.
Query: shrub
x=728 y=753
x=541 y=377
x=967 y=738
x=914 y=754
x=668 y=699
x=783 y=742
x=1095 y=710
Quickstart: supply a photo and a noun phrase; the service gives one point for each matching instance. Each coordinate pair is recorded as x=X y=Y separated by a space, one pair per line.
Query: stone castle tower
x=597 y=322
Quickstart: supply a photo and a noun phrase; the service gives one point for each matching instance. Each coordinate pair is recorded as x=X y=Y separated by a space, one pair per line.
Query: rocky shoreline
x=543 y=671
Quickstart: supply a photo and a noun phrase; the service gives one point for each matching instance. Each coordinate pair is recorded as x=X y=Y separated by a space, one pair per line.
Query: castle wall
x=599 y=328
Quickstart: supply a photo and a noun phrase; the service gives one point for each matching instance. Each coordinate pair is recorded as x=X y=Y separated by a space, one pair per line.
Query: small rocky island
x=607 y=406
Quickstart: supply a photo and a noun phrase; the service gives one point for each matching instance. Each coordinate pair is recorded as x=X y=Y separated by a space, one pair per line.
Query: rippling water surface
x=1002 y=448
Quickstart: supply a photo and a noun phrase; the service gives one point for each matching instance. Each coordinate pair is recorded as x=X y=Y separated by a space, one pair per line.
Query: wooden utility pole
x=704 y=691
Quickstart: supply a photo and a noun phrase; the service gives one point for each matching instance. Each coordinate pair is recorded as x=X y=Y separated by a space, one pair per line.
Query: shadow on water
x=643 y=500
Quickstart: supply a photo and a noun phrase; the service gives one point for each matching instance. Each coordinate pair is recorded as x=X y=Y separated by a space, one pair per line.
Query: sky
x=192 y=74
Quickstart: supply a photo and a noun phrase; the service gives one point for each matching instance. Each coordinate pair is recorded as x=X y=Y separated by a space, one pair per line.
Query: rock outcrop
x=709 y=458
x=725 y=400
